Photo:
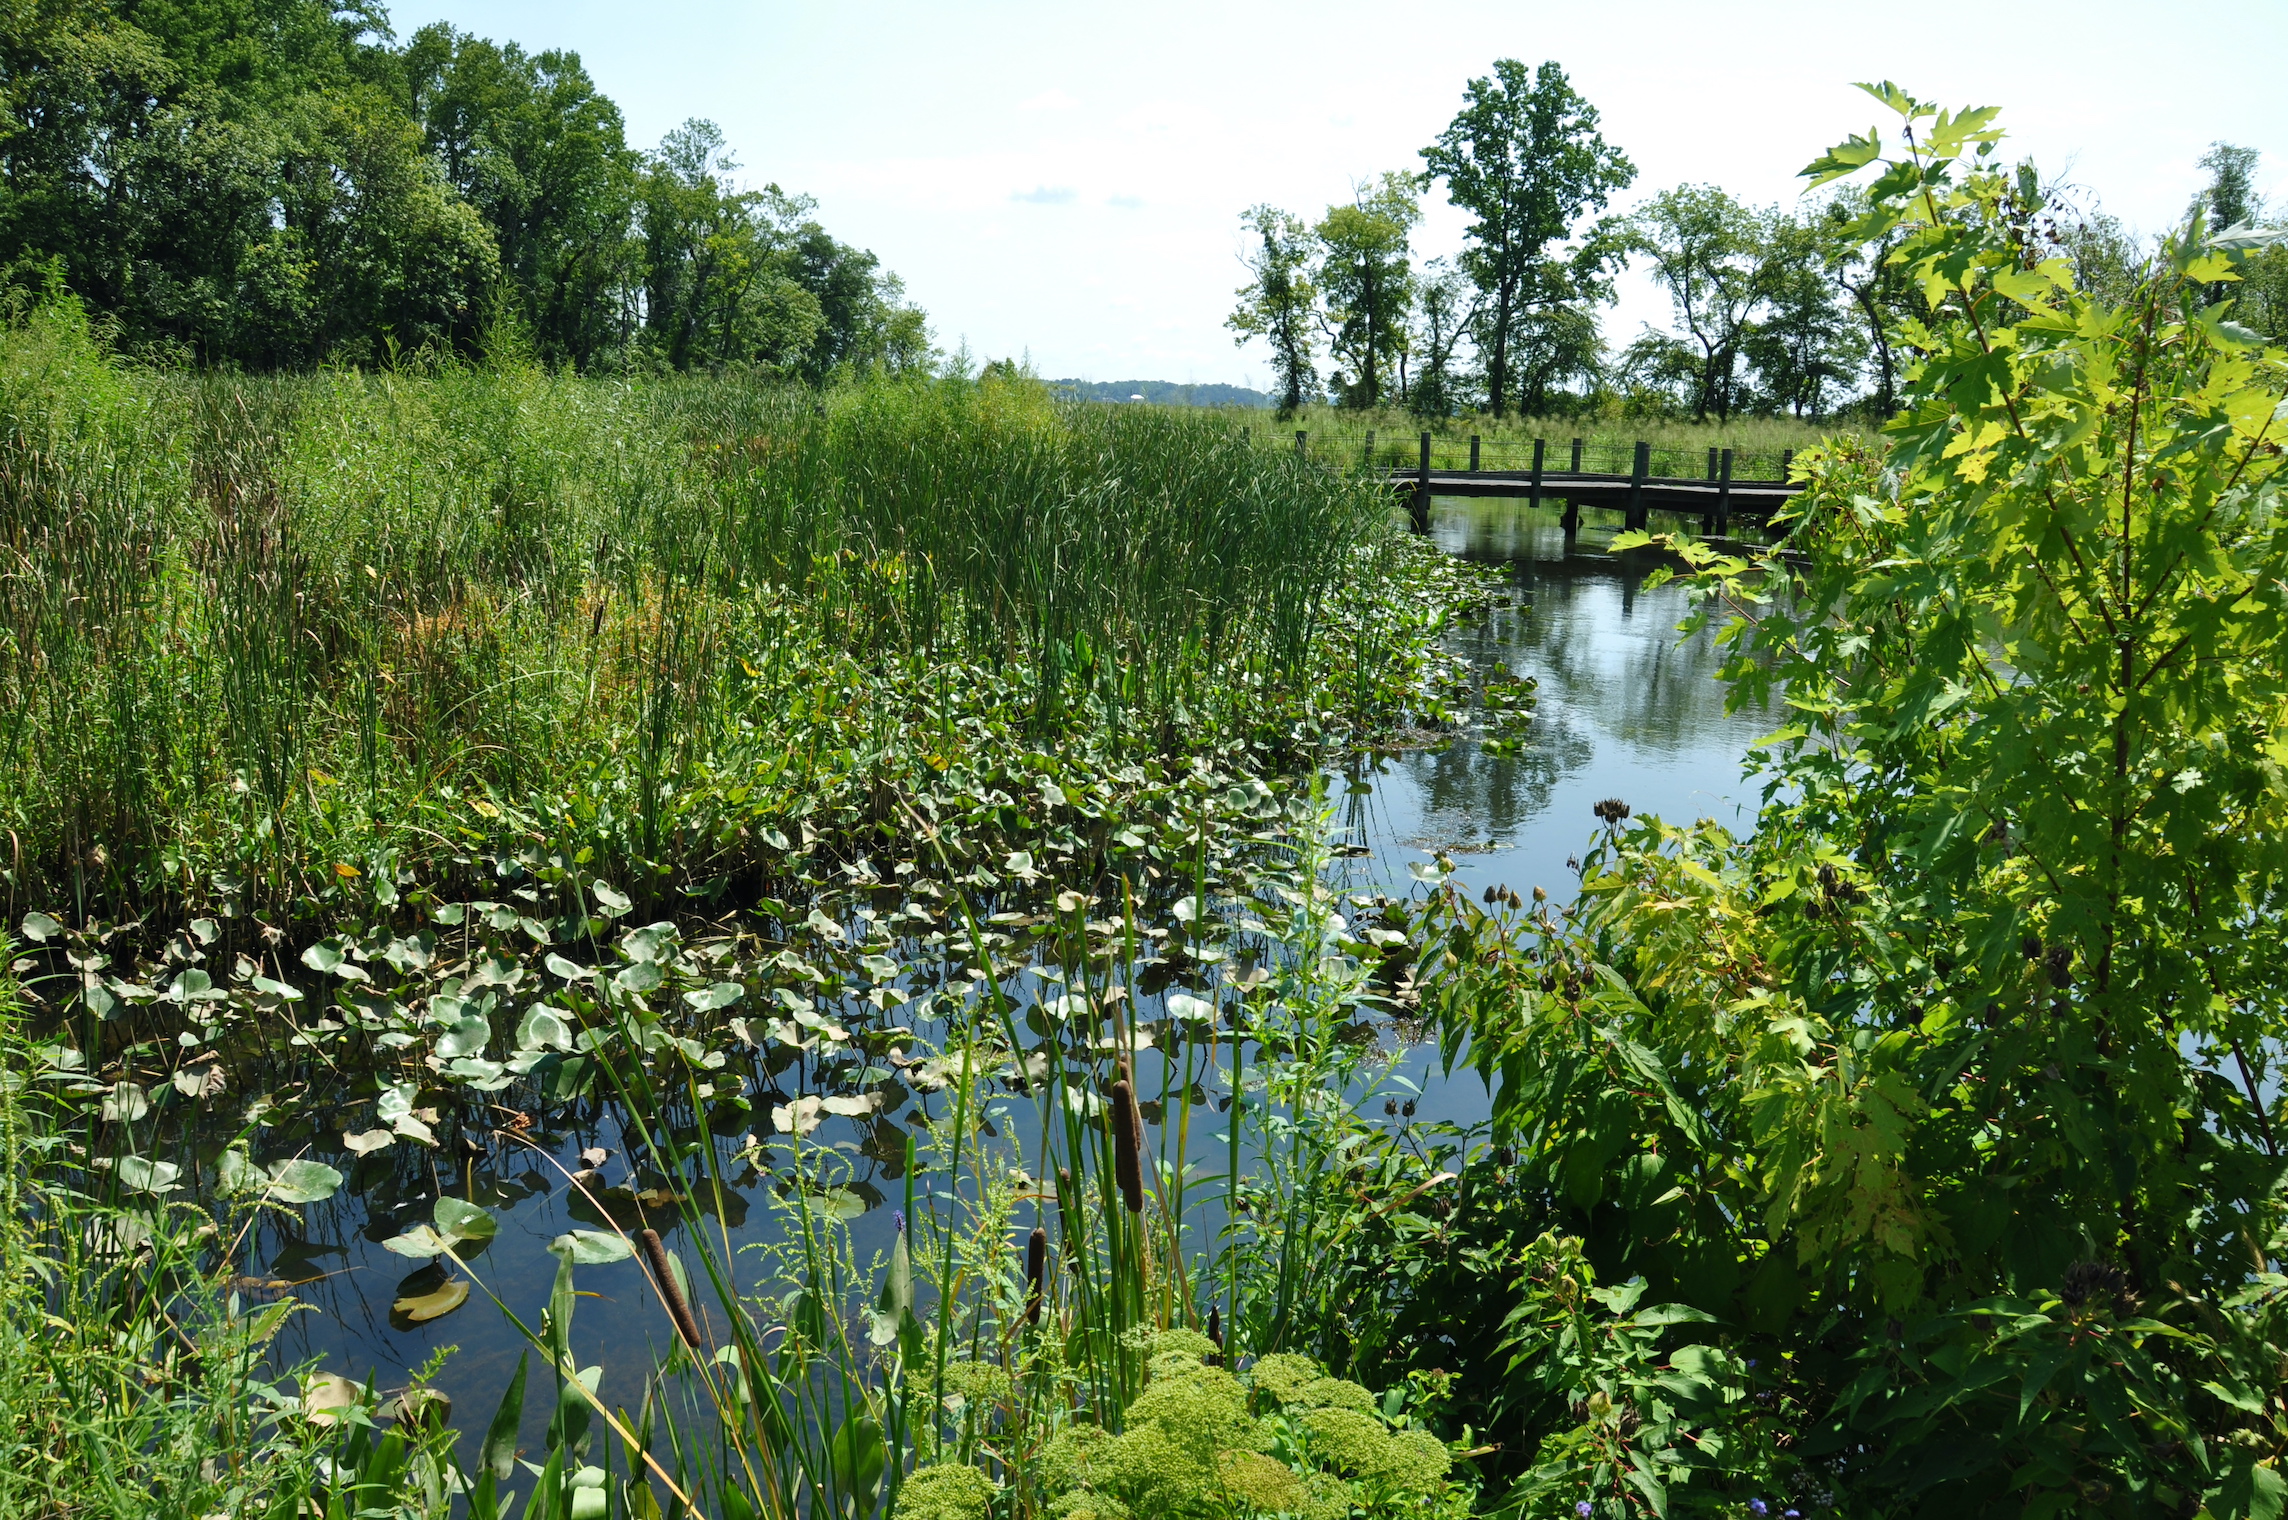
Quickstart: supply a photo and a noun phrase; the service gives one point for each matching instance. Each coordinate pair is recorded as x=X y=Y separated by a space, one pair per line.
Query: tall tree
x=1878 y=288
x=1442 y=315
x=543 y=156
x=1278 y=302
x=1804 y=349
x=1367 y=283
x=1524 y=157
x=1712 y=256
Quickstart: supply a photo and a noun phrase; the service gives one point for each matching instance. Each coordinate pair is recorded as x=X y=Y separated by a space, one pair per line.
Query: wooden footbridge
x=1716 y=499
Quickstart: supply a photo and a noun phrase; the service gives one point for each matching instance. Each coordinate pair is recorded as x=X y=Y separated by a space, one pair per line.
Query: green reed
x=258 y=633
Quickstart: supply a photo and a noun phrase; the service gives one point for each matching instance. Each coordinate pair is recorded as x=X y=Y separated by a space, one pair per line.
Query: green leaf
x=436 y=1304
x=458 y=1220
x=38 y=927
x=590 y=1248
x=421 y=1243
x=544 y=1028
x=499 y=1454
x=612 y=903
x=467 y=1038
x=303 y=1181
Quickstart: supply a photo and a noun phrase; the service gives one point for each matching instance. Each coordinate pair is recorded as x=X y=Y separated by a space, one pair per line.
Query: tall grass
x=260 y=636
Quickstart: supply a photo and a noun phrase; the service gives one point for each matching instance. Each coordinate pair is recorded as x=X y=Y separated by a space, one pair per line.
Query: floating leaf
x=799 y=1117
x=420 y=1243
x=148 y=1176
x=1182 y=1005
x=544 y=1028
x=394 y=1102
x=840 y=1203
x=326 y=1394
x=590 y=1248
x=467 y=1038
x=848 y=1108
x=290 y=993
x=366 y=1142
x=125 y=1104
x=434 y=1305
x=721 y=995
x=460 y=1220
x=303 y=1181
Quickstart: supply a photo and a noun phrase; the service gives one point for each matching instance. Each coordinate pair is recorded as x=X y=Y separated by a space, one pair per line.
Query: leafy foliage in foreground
x=1952 y=1096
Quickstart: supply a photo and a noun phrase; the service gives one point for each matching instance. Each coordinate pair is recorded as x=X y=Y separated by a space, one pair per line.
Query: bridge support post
x=1637 y=473
x=1724 y=492
x=1576 y=465
x=1711 y=464
x=1473 y=453
x=1422 y=490
x=1787 y=463
x=1538 y=444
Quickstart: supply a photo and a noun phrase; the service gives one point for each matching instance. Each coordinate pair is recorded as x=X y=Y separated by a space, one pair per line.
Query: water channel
x=1624 y=710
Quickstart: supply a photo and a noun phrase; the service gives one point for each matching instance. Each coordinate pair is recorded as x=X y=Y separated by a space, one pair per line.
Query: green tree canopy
x=1525 y=159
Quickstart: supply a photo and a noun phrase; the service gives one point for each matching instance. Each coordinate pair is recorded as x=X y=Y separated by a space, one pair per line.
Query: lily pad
x=303 y=1181
x=589 y=1248
x=326 y=1394
x=432 y=1305
x=467 y=1038
x=460 y=1220
x=366 y=1142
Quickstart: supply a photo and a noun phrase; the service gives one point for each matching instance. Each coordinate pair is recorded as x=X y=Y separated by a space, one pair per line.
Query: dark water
x=1624 y=710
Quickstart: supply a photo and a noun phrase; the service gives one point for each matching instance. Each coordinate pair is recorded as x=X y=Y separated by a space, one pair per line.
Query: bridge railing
x=1455 y=452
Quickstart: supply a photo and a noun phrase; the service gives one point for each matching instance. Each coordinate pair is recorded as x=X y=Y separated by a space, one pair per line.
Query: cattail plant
x=1128 y=1146
x=1036 y=1273
x=670 y=1287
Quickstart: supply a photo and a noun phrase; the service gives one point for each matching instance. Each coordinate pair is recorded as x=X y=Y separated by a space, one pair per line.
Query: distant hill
x=1160 y=392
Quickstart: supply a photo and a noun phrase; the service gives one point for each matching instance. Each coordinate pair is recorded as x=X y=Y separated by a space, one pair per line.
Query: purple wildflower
x=1758 y=1508
x=1582 y=1509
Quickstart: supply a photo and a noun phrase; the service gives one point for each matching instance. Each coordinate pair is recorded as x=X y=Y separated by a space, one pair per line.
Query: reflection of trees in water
x=1608 y=661
x=1596 y=640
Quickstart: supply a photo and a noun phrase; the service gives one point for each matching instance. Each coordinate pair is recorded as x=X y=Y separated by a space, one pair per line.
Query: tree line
x=1775 y=309
x=273 y=183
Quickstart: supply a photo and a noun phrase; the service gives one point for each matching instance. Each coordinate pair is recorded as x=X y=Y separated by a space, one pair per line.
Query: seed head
x=1128 y=1146
x=1036 y=1272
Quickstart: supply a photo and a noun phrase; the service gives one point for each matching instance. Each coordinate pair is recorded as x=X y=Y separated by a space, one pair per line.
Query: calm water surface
x=1625 y=711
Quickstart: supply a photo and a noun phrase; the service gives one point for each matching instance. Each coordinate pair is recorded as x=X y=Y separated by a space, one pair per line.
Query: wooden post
x=1300 y=451
x=1636 y=484
x=1422 y=490
x=1711 y=464
x=1473 y=453
x=1370 y=446
x=1724 y=492
x=1787 y=462
x=1538 y=444
x=1576 y=467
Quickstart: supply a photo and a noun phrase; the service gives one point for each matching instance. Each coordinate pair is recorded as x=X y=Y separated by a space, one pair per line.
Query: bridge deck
x=1752 y=499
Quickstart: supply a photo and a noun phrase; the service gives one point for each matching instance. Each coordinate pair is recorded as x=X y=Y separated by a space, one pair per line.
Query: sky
x=1065 y=181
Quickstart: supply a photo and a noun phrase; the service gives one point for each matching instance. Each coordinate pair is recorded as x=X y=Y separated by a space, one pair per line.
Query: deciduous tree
x=1525 y=159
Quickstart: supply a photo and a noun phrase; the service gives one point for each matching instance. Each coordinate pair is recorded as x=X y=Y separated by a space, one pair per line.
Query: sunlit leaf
x=432 y=1305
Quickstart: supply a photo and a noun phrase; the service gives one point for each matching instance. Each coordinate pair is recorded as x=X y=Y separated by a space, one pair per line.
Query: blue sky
x=1067 y=179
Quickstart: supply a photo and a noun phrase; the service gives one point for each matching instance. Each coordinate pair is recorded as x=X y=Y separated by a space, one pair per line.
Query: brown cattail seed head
x=1215 y=1326
x=1128 y=1146
x=1036 y=1273
x=678 y=1308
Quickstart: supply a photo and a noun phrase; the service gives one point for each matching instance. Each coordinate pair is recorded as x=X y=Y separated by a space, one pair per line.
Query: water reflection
x=1626 y=710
